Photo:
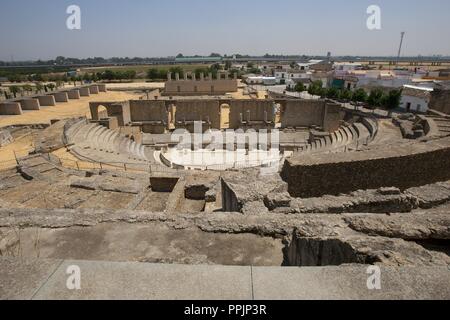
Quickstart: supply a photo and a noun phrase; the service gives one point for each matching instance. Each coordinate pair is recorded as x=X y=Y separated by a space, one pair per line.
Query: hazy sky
x=32 y=29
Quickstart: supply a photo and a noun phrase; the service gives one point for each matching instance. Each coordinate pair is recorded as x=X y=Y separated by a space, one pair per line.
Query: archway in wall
x=225 y=116
x=102 y=112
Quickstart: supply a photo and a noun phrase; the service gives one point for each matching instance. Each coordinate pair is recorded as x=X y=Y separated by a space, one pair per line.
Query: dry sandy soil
x=73 y=108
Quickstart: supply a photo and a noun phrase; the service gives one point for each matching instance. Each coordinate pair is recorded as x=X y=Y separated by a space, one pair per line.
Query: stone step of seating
x=96 y=139
x=74 y=129
x=81 y=134
x=106 y=141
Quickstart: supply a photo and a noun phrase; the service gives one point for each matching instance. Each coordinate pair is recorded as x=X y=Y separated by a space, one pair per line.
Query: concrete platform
x=46 y=279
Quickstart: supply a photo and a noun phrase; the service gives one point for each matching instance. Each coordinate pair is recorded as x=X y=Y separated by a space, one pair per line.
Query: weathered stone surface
x=405 y=166
x=239 y=188
x=431 y=195
x=389 y=191
x=416 y=226
x=360 y=201
x=106 y=183
x=254 y=207
x=277 y=200
x=364 y=238
x=5 y=138
x=197 y=191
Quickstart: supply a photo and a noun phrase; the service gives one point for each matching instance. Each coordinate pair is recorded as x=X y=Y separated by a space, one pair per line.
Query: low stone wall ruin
x=402 y=166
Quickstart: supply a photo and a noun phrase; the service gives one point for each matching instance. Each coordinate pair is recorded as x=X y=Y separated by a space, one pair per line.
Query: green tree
x=332 y=93
x=316 y=88
x=14 y=90
x=375 y=98
x=178 y=70
x=359 y=95
x=38 y=87
x=299 y=87
x=87 y=77
x=153 y=74
x=51 y=86
x=345 y=95
x=392 y=100
x=59 y=84
x=27 y=88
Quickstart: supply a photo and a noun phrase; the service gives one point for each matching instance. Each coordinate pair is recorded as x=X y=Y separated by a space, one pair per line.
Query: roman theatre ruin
x=183 y=180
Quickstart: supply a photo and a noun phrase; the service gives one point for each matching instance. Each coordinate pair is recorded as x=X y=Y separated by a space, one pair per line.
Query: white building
x=415 y=99
x=284 y=76
x=267 y=81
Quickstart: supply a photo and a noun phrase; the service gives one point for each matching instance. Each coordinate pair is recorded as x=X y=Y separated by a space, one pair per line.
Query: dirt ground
x=74 y=108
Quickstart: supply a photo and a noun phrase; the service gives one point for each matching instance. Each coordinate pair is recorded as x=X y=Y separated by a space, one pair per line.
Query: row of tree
x=28 y=89
x=376 y=97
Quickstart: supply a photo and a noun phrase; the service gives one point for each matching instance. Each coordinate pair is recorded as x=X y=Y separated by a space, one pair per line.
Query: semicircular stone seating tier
x=96 y=142
x=346 y=138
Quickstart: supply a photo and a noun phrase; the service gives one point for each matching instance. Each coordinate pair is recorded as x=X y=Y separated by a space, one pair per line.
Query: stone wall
x=250 y=111
x=197 y=110
x=47 y=101
x=30 y=104
x=10 y=108
x=85 y=92
x=200 y=87
x=440 y=101
x=402 y=166
x=307 y=113
x=147 y=110
x=61 y=96
x=73 y=94
x=120 y=110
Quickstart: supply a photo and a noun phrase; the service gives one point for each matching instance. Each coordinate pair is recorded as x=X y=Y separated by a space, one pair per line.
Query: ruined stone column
x=185 y=76
x=101 y=87
x=235 y=76
x=47 y=101
x=93 y=90
x=169 y=76
x=210 y=76
x=202 y=76
x=227 y=75
x=73 y=94
x=177 y=76
x=84 y=92
x=30 y=104
x=193 y=76
x=61 y=96
x=10 y=108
